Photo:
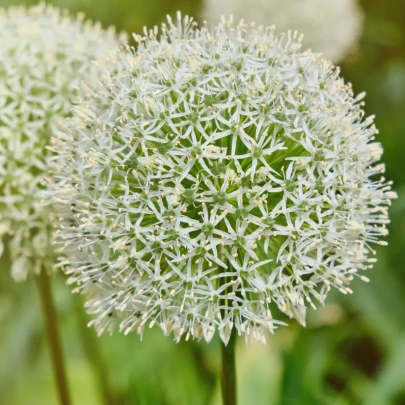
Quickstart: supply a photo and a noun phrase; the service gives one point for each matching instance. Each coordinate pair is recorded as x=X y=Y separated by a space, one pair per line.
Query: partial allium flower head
x=44 y=55
x=329 y=26
x=213 y=177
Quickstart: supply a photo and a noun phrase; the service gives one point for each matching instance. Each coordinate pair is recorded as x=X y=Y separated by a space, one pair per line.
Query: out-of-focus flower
x=44 y=55
x=332 y=27
x=213 y=177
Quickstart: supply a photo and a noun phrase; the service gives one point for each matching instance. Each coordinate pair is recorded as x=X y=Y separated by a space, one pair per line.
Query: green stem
x=51 y=326
x=93 y=354
x=228 y=375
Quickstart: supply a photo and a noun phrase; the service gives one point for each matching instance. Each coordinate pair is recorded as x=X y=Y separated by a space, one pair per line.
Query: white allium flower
x=300 y=219
x=44 y=55
x=329 y=26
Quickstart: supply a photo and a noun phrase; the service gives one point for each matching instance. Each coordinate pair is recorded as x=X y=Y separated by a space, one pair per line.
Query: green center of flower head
x=240 y=196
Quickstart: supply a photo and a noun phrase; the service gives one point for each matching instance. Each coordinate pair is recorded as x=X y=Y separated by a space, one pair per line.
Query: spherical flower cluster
x=213 y=177
x=332 y=27
x=44 y=55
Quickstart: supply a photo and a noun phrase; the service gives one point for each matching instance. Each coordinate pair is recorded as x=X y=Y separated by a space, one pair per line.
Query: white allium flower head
x=214 y=177
x=44 y=55
x=329 y=26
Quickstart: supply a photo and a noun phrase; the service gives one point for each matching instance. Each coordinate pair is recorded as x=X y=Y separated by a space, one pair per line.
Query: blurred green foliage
x=353 y=350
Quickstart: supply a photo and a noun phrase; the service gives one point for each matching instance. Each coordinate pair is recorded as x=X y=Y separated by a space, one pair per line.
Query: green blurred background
x=353 y=350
